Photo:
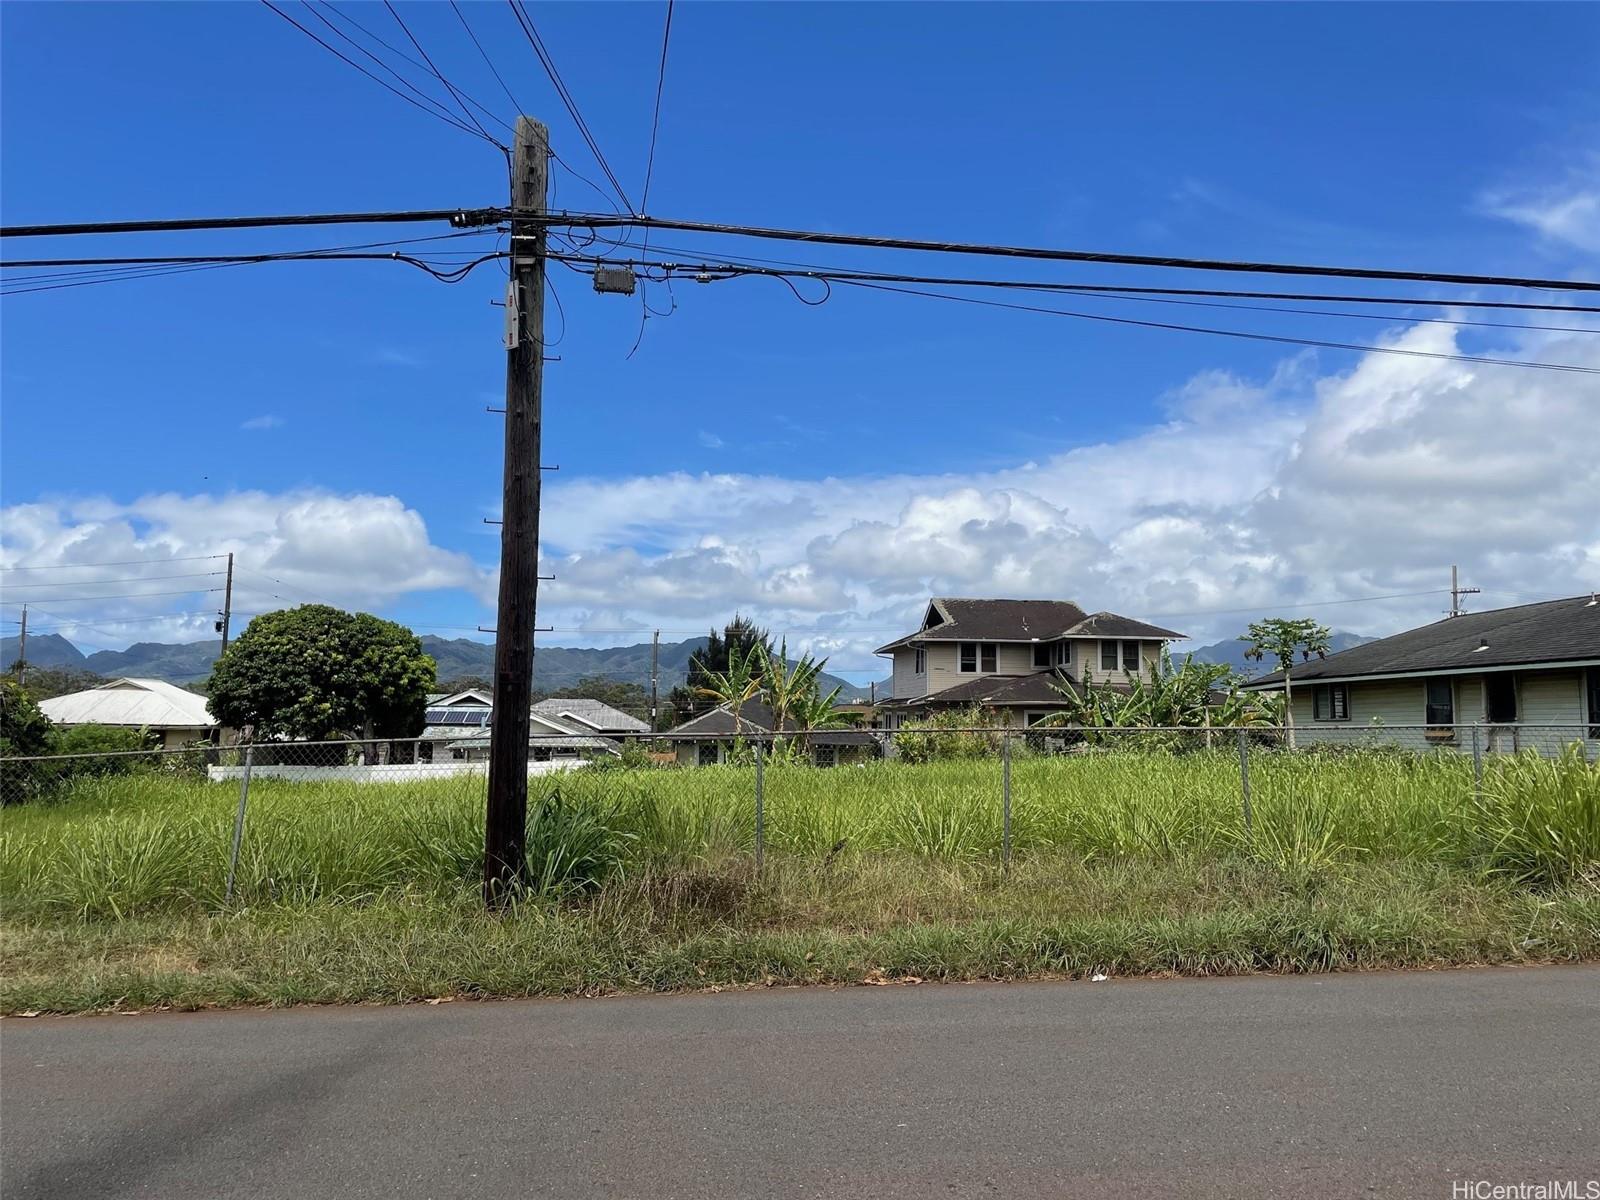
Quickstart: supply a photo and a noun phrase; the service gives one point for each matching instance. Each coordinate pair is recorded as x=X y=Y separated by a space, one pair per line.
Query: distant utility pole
x=227 y=605
x=505 y=822
x=22 y=650
x=655 y=667
x=1457 y=591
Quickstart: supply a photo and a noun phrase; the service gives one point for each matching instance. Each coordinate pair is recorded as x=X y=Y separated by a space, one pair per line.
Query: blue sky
x=326 y=421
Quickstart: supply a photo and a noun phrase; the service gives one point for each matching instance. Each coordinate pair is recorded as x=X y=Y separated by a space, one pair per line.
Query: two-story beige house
x=1011 y=656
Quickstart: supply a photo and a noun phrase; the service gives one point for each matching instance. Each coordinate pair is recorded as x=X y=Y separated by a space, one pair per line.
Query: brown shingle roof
x=1022 y=621
x=1525 y=635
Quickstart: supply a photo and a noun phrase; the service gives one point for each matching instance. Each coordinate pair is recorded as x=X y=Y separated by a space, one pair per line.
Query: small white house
x=176 y=716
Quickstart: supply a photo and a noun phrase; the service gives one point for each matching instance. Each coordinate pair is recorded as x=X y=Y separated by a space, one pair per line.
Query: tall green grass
x=115 y=847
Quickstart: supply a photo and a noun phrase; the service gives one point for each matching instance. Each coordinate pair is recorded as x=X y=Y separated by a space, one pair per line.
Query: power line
x=437 y=74
x=1282 y=339
x=1047 y=254
x=455 y=274
x=102 y=582
x=126 y=562
x=459 y=217
x=655 y=121
x=700 y=272
x=398 y=53
x=532 y=34
x=1093 y=288
x=120 y=596
x=342 y=57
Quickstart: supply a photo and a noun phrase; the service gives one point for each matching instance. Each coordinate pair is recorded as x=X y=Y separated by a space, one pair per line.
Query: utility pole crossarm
x=505 y=821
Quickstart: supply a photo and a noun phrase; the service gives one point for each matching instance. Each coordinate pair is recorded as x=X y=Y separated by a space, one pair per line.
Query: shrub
x=938 y=738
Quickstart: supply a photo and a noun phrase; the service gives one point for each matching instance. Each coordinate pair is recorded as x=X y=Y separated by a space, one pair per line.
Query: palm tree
x=737 y=686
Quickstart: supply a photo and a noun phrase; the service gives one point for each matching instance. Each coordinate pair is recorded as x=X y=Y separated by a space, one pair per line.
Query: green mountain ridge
x=555 y=668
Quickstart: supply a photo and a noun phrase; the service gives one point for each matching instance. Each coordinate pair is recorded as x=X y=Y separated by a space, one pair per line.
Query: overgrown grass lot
x=1125 y=862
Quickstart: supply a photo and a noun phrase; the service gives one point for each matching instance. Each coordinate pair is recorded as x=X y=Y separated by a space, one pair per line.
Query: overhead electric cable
x=700 y=271
x=1090 y=288
x=125 y=562
x=442 y=116
x=10 y=587
x=1283 y=339
x=120 y=596
x=439 y=75
x=1049 y=254
x=459 y=217
x=531 y=32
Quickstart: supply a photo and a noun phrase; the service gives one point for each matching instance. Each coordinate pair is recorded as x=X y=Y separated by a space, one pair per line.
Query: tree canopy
x=318 y=672
x=738 y=641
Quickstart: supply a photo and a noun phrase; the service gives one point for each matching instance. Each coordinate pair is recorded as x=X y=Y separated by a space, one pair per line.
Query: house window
x=1108 y=656
x=976 y=656
x=1440 y=707
x=1130 y=656
x=1063 y=654
x=1592 y=695
x=706 y=754
x=1330 y=702
x=1500 y=698
x=1042 y=655
x=920 y=665
x=825 y=756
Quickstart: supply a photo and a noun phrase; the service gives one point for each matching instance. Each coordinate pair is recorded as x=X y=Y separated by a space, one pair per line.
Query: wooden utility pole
x=505 y=824
x=655 y=666
x=22 y=650
x=1457 y=591
x=227 y=603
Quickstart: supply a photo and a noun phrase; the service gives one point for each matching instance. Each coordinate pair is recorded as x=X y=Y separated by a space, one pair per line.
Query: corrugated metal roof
x=140 y=703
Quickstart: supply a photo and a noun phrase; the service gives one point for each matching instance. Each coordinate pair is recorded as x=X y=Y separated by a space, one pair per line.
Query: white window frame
x=988 y=653
x=919 y=661
x=1138 y=657
x=1116 y=653
x=961 y=658
x=1063 y=653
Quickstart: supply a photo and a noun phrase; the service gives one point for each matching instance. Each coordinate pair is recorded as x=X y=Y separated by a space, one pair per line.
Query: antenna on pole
x=1457 y=591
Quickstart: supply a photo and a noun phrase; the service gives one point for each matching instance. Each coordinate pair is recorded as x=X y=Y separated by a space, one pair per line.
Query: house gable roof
x=1553 y=631
x=591 y=714
x=131 y=702
x=968 y=620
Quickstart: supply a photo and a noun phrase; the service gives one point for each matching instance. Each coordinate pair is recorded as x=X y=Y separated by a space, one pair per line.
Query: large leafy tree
x=317 y=672
x=24 y=729
x=738 y=638
x=1281 y=638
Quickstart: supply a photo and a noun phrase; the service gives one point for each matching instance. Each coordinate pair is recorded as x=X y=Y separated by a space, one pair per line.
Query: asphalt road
x=1364 y=1085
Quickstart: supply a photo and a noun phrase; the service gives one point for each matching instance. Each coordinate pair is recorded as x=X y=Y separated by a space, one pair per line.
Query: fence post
x=1477 y=760
x=238 y=817
x=761 y=812
x=1244 y=780
x=1005 y=800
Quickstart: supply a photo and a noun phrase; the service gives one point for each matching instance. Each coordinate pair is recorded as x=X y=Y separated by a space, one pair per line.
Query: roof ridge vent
x=1483 y=644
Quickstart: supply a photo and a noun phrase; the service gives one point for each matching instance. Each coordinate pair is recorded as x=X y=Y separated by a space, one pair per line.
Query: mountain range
x=557 y=667
x=1230 y=652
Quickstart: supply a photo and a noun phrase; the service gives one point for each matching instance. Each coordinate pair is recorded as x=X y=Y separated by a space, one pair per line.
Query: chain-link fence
x=972 y=793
